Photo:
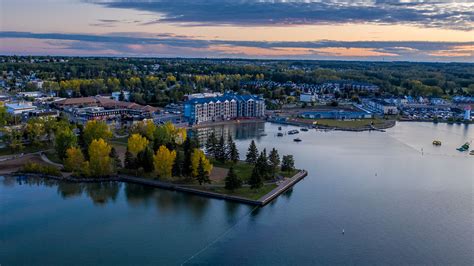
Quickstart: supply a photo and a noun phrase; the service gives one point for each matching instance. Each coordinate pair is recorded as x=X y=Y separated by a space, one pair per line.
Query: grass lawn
x=53 y=157
x=244 y=192
x=120 y=141
x=26 y=149
x=242 y=169
x=354 y=124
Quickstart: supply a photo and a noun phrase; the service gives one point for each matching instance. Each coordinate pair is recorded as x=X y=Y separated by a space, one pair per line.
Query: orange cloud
x=465 y=50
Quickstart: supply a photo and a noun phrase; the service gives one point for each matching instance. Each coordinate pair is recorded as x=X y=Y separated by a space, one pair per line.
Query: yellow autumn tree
x=74 y=159
x=180 y=136
x=136 y=143
x=96 y=130
x=195 y=158
x=163 y=161
x=99 y=160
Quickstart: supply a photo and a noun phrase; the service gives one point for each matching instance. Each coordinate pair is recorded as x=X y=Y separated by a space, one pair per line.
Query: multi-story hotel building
x=226 y=107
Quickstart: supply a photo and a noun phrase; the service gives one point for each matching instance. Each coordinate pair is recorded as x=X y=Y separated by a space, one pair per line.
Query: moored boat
x=292 y=132
x=436 y=142
x=280 y=135
x=304 y=129
x=471 y=152
x=297 y=140
x=464 y=147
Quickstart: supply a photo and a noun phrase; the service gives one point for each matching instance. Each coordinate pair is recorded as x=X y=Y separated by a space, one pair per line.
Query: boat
x=280 y=134
x=436 y=142
x=279 y=128
x=297 y=140
x=304 y=129
x=292 y=132
x=471 y=152
x=464 y=147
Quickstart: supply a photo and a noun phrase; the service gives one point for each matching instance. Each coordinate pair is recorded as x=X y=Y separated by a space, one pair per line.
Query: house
x=382 y=106
x=19 y=108
x=308 y=97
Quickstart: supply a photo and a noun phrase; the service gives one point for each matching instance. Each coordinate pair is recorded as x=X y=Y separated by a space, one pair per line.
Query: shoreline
x=228 y=122
x=262 y=201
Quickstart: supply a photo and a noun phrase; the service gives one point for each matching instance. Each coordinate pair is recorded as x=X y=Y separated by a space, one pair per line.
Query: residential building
x=308 y=97
x=226 y=107
x=381 y=106
x=116 y=95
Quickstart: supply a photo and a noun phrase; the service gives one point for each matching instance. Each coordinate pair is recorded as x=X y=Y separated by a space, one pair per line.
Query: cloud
x=457 y=15
x=140 y=44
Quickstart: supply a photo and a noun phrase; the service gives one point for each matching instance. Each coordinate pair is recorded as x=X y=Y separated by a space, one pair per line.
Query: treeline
x=161 y=81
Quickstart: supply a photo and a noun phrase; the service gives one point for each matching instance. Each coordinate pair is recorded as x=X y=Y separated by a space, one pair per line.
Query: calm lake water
x=399 y=199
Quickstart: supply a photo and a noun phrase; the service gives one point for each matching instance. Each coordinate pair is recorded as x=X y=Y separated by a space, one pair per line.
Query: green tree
x=190 y=144
x=221 y=154
x=252 y=153
x=262 y=165
x=211 y=145
x=288 y=163
x=202 y=173
x=96 y=130
x=145 y=159
x=255 y=180
x=65 y=139
x=232 y=181
x=274 y=161
x=232 y=151
x=34 y=130
x=130 y=160
x=116 y=162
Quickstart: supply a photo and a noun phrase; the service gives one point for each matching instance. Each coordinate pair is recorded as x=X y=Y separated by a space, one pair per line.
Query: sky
x=375 y=30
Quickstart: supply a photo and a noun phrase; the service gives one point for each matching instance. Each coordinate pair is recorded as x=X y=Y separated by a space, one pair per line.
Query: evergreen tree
x=116 y=162
x=130 y=160
x=252 y=153
x=232 y=181
x=221 y=154
x=145 y=159
x=178 y=167
x=202 y=176
x=232 y=152
x=211 y=145
x=255 y=180
x=262 y=165
x=190 y=144
x=288 y=163
x=274 y=161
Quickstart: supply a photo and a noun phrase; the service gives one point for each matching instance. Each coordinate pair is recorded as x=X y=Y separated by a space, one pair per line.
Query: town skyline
x=306 y=30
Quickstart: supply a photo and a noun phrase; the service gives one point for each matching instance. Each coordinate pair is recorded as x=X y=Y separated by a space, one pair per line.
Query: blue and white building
x=225 y=107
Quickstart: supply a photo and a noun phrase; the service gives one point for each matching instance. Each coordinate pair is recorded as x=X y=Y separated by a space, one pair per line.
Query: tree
x=130 y=160
x=35 y=130
x=232 y=181
x=163 y=161
x=211 y=145
x=116 y=162
x=145 y=159
x=73 y=160
x=178 y=167
x=232 y=151
x=274 y=161
x=5 y=117
x=96 y=130
x=202 y=173
x=99 y=158
x=190 y=144
x=65 y=139
x=197 y=157
x=255 y=180
x=288 y=163
x=262 y=165
x=136 y=143
x=252 y=153
x=221 y=153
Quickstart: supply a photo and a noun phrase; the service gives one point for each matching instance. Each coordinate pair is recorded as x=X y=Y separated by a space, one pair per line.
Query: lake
x=399 y=199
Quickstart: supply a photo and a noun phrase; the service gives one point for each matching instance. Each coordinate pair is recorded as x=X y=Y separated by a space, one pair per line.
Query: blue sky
x=346 y=30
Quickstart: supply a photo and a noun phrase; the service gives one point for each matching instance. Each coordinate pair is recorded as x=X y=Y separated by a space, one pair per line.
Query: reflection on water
x=237 y=131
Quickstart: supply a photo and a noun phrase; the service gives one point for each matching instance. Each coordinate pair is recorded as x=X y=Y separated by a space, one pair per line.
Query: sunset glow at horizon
x=329 y=30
